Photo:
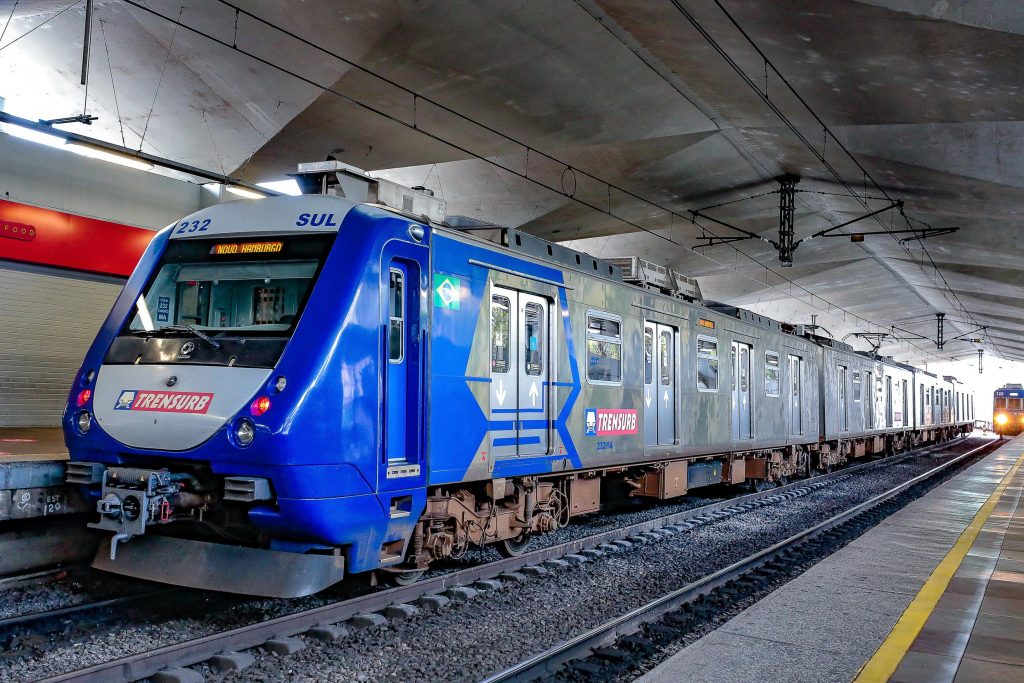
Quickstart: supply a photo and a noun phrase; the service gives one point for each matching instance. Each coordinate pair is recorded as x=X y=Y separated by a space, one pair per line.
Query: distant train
x=1008 y=411
x=294 y=389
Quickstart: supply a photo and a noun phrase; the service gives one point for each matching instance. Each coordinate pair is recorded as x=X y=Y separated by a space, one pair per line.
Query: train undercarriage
x=509 y=512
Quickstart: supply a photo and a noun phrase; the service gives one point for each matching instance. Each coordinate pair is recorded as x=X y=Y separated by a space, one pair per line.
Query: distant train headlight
x=83 y=421
x=1001 y=419
x=245 y=432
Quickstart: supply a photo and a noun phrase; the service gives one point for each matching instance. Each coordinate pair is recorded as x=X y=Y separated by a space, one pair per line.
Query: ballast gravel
x=467 y=640
x=470 y=640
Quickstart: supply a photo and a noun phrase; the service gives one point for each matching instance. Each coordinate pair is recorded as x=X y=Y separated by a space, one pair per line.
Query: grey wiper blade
x=202 y=335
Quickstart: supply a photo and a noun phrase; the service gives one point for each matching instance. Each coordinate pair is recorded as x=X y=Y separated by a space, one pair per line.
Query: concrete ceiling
x=926 y=95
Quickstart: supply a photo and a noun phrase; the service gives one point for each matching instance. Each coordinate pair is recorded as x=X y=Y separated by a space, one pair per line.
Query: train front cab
x=309 y=465
x=1008 y=410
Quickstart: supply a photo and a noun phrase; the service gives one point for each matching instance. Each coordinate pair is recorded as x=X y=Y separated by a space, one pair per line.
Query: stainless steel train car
x=384 y=391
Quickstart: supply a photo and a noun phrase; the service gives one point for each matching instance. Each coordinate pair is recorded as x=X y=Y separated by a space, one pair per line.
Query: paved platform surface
x=934 y=593
x=32 y=444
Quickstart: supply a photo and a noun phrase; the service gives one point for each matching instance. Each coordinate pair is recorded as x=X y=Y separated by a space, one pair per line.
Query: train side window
x=533 y=353
x=772 y=374
x=665 y=358
x=396 y=314
x=856 y=387
x=500 y=332
x=648 y=355
x=707 y=363
x=604 y=348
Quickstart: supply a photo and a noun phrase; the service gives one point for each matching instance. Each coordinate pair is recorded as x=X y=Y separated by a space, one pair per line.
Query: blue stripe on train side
x=452 y=402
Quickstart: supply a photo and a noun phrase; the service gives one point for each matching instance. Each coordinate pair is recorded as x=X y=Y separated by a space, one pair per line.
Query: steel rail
x=547 y=662
x=144 y=664
x=60 y=612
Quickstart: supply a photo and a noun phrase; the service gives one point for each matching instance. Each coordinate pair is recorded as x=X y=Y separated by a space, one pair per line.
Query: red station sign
x=31 y=234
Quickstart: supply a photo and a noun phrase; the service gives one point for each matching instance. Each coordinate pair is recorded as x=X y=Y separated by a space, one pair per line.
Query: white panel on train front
x=306 y=214
x=171 y=407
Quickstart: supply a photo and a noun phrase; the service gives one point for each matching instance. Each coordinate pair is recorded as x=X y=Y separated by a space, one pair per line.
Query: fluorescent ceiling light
x=245 y=192
x=106 y=155
x=32 y=135
x=289 y=186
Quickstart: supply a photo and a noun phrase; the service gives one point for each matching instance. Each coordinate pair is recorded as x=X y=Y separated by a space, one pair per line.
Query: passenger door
x=843 y=415
x=519 y=420
x=795 y=404
x=659 y=384
x=741 y=408
x=402 y=409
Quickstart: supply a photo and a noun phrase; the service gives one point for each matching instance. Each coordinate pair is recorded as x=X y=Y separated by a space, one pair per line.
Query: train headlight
x=83 y=421
x=245 y=432
x=1001 y=419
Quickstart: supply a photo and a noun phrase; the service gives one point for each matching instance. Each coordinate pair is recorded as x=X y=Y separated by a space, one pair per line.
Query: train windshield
x=223 y=287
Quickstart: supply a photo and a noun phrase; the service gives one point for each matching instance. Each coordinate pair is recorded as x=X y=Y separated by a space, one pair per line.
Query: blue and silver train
x=294 y=389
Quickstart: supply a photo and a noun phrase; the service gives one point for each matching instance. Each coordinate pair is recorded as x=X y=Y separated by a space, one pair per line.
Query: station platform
x=934 y=593
x=32 y=444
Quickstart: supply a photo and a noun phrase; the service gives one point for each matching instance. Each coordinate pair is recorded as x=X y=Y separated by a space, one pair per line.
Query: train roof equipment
x=336 y=178
x=637 y=271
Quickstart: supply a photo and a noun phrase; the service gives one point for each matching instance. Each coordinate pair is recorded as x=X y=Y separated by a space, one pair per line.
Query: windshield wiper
x=185 y=327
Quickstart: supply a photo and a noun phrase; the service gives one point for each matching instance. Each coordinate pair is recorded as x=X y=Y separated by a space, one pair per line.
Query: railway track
x=676 y=608
x=316 y=622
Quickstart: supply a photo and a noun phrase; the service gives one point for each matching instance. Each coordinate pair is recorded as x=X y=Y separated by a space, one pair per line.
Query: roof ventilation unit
x=340 y=179
x=649 y=275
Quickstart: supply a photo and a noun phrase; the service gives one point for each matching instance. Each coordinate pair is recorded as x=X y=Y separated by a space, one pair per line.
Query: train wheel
x=406 y=578
x=514 y=547
x=763 y=485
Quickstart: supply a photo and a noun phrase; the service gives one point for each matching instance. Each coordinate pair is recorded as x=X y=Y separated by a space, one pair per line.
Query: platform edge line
x=894 y=648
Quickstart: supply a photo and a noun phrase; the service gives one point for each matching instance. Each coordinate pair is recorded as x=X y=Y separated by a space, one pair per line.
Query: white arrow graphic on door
x=647 y=398
x=666 y=397
x=501 y=393
x=533 y=394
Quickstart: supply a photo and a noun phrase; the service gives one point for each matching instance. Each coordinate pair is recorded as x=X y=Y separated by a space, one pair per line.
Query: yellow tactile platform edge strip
x=893 y=649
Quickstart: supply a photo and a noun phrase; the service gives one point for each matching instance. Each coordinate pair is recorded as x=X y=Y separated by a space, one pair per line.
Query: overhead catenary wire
x=10 y=18
x=826 y=133
x=40 y=25
x=830 y=309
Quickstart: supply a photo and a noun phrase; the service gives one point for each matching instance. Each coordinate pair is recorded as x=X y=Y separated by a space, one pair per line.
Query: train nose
x=177 y=407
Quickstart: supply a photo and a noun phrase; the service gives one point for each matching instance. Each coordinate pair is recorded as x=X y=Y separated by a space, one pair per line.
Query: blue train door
x=402 y=408
x=520 y=328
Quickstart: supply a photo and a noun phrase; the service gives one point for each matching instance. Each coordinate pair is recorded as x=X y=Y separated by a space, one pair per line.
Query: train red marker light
x=83 y=397
x=260 y=406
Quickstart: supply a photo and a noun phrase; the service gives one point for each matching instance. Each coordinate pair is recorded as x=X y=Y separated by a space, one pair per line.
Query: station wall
x=48 y=316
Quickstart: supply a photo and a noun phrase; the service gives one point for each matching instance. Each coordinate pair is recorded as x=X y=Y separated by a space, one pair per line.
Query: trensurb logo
x=164 y=401
x=609 y=422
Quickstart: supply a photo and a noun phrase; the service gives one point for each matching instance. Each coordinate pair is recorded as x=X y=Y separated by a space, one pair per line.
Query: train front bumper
x=220 y=567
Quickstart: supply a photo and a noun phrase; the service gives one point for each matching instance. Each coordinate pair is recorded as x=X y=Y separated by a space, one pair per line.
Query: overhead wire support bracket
x=87 y=119
x=828 y=232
